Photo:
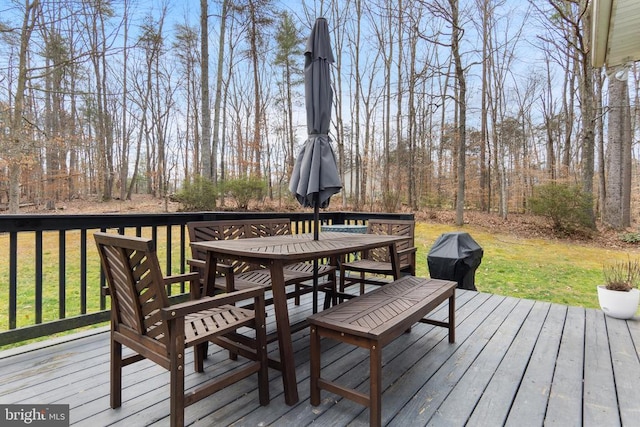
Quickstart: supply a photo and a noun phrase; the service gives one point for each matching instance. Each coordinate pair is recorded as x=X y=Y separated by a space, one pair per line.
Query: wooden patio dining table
x=277 y=251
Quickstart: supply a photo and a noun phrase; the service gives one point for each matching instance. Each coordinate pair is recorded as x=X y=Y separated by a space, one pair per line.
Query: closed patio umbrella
x=315 y=176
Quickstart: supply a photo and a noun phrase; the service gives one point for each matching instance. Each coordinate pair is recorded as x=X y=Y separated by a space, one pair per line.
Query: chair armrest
x=199 y=264
x=411 y=253
x=180 y=278
x=193 y=278
x=407 y=251
x=196 y=263
x=188 y=307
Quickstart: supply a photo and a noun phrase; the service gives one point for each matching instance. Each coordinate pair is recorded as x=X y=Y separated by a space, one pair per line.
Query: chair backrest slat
x=395 y=227
x=135 y=283
x=235 y=229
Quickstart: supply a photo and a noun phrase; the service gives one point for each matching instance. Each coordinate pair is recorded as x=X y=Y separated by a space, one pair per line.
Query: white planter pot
x=618 y=304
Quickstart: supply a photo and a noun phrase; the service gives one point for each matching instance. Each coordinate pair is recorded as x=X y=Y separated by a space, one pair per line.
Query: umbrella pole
x=316 y=227
x=316 y=216
x=315 y=285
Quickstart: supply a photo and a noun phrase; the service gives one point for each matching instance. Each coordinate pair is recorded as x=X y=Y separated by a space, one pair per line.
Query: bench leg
x=375 y=387
x=315 y=366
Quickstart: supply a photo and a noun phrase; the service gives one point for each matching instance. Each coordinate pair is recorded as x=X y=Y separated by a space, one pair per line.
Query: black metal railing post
x=71 y=313
x=62 y=275
x=13 y=279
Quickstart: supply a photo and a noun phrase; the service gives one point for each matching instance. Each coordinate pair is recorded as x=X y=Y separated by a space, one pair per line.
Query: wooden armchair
x=143 y=320
x=233 y=275
x=376 y=263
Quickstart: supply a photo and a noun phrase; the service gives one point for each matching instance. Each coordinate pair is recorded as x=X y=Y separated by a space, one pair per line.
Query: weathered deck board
x=600 y=400
x=563 y=408
x=460 y=403
x=515 y=362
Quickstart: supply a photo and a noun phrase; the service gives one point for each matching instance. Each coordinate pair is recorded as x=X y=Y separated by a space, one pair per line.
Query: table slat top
x=298 y=246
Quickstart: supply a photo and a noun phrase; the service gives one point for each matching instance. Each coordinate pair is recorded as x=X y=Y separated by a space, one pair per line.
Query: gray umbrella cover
x=315 y=174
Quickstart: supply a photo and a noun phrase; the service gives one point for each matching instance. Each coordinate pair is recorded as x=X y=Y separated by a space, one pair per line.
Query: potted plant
x=619 y=296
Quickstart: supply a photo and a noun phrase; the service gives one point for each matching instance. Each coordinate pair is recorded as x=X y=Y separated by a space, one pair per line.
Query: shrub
x=199 y=195
x=243 y=190
x=390 y=201
x=567 y=206
x=630 y=237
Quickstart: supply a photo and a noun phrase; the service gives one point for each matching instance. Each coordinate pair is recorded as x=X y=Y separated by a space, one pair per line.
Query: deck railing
x=50 y=262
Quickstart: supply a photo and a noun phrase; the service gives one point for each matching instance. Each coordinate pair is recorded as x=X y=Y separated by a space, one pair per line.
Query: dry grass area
x=139 y=204
x=528 y=226
x=519 y=225
x=522 y=256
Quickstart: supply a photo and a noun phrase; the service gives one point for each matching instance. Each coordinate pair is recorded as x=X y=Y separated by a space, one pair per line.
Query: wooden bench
x=373 y=320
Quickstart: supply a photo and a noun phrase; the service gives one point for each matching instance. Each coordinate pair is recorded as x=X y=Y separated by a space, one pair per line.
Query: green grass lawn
x=50 y=293
x=538 y=269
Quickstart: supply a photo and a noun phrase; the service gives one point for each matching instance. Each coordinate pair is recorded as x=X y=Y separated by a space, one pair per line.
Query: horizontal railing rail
x=51 y=267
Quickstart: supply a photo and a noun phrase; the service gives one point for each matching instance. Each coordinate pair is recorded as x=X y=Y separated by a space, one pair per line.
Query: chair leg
x=342 y=283
x=334 y=289
x=177 y=395
x=330 y=295
x=261 y=351
x=296 y=299
x=116 y=374
x=199 y=354
x=232 y=355
x=328 y=298
x=361 y=282
x=176 y=392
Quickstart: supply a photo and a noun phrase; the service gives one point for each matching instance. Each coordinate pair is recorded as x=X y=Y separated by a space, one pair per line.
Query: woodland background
x=462 y=104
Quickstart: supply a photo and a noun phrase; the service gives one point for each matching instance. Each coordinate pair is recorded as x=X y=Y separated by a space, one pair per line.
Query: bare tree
x=217 y=102
x=287 y=58
x=188 y=54
x=124 y=107
x=257 y=13
x=576 y=15
x=206 y=171
x=18 y=128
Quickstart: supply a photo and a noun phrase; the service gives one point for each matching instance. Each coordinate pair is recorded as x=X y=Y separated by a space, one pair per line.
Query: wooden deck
x=515 y=362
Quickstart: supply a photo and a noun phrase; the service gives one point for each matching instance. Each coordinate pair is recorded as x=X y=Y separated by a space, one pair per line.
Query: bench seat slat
x=407 y=301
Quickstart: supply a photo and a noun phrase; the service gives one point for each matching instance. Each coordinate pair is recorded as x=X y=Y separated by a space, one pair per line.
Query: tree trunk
x=17 y=128
x=462 y=108
x=618 y=151
x=257 y=91
x=359 y=188
x=586 y=103
x=218 y=96
x=600 y=132
x=484 y=141
x=124 y=164
x=204 y=91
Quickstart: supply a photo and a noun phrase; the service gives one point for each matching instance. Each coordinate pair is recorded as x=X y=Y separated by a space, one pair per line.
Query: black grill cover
x=455 y=256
